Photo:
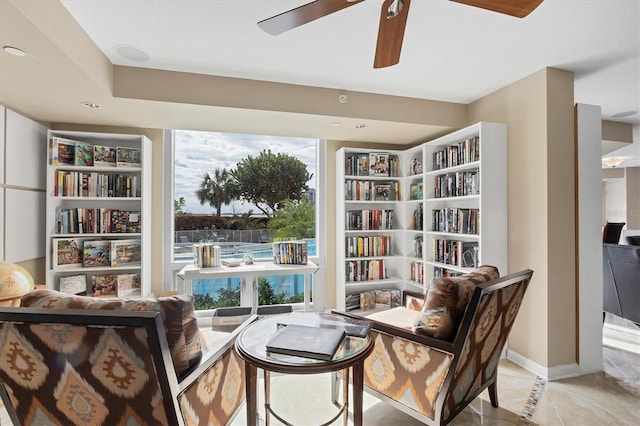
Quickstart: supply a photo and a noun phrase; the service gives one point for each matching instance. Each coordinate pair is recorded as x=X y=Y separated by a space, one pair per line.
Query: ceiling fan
x=393 y=20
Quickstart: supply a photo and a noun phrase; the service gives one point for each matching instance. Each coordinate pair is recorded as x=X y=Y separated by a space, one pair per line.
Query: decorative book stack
x=206 y=255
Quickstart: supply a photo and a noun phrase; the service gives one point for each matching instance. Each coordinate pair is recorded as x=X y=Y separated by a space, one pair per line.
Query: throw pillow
x=452 y=294
x=435 y=323
x=177 y=312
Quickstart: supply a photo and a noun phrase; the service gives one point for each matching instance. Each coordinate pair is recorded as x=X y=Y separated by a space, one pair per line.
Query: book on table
x=351 y=326
x=307 y=342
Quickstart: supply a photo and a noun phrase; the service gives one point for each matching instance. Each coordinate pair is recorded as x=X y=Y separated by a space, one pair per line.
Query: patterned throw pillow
x=447 y=299
x=177 y=313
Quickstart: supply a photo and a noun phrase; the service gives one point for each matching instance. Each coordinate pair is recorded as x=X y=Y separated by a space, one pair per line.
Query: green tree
x=268 y=179
x=217 y=190
x=294 y=219
x=178 y=205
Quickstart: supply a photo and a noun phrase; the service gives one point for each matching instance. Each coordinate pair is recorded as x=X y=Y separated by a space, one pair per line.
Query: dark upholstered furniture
x=434 y=379
x=633 y=240
x=621 y=281
x=69 y=360
x=611 y=232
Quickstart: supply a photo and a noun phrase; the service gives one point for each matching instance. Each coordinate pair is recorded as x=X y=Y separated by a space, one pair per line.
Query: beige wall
x=157 y=172
x=633 y=197
x=538 y=111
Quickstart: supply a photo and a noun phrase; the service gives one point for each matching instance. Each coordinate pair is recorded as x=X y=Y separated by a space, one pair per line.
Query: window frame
x=172 y=267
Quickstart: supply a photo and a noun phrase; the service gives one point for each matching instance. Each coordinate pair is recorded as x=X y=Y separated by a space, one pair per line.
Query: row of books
x=93 y=184
x=81 y=220
x=78 y=252
x=290 y=252
x=416 y=272
x=365 y=270
x=102 y=285
x=369 y=220
x=371 y=299
x=366 y=190
x=456 y=220
x=372 y=164
x=368 y=246
x=466 y=151
x=206 y=255
x=444 y=272
x=456 y=252
x=76 y=153
x=457 y=184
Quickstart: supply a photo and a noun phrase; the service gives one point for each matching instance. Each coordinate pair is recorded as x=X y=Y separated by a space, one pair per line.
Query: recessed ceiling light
x=624 y=114
x=131 y=52
x=360 y=126
x=13 y=51
x=90 y=105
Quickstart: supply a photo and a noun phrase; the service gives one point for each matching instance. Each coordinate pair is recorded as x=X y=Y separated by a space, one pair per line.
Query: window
x=221 y=193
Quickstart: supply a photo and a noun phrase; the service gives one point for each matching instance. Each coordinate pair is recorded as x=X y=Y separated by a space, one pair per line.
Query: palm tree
x=216 y=191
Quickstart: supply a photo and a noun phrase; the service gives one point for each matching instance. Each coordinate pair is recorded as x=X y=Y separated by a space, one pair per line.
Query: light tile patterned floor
x=610 y=397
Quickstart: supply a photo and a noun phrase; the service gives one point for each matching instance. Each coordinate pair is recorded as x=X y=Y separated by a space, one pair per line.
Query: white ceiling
x=451 y=52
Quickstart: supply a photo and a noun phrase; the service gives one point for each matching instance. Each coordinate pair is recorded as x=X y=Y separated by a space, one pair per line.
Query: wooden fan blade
x=304 y=14
x=390 y=35
x=517 y=8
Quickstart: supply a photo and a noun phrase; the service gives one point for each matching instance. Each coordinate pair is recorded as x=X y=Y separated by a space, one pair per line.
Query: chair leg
x=493 y=394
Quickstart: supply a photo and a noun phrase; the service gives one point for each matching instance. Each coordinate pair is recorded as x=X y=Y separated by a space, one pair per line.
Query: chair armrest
x=403 y=333
x=212 y=356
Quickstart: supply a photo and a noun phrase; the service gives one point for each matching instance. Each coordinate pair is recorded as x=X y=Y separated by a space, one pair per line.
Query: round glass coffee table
x=351 y=354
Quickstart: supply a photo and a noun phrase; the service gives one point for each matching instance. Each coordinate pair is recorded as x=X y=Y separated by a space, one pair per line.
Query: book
x=379 y=164
x=128 y=285
x=307 y=342
x=125 y=252
x=128 y=157
x=125 y=221
x=83 y=154
x=351 y=326
x=104 y=285
x=67 y=253
x=96 y=253
x=74 y=284
x=104 y=156
x=61 y=151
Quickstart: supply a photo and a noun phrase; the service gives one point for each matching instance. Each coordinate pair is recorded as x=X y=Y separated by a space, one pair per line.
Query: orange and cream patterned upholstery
x=434 y=379
x=92 y=365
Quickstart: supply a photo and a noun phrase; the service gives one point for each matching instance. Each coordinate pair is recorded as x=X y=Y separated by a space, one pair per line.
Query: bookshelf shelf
x=427 y=220
x=82 y=208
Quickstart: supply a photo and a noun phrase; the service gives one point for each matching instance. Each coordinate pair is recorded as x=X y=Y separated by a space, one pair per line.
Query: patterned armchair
x=70 y=360
x=433 y=379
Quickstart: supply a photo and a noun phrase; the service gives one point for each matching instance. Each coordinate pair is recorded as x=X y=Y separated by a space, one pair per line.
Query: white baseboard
x=548 y=373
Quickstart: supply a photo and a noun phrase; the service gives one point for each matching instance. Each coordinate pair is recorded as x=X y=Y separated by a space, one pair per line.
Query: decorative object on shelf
x=14 y=282
x=248 y=259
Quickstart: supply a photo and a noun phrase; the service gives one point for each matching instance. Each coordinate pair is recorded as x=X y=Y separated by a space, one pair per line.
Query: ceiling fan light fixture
x=614 y=162
x=394 y=9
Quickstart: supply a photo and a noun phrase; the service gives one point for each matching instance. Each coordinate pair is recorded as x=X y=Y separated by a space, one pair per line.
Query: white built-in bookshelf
x=98 y=213
x=446 y=215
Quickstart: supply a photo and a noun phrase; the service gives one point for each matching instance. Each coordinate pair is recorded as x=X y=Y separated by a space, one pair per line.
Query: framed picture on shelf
x=128 y=157
x=67 y=253
x=74 y=284
x=61 y=151
x=96 y=253
x=125 y=252
x=104 y=156
x=104 y=285
x=83 y=154
x=379 y=163
x=128 y=285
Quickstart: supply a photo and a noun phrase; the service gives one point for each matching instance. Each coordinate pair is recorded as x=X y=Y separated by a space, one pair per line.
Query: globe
x=14 y=282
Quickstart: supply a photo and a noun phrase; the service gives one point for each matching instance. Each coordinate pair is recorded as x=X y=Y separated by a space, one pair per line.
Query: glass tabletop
x=252 y=340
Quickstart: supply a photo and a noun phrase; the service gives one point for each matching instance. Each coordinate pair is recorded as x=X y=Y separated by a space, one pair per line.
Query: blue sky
x=197 y=153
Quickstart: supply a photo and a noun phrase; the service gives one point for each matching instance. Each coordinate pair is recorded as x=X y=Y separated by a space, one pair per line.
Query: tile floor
x=610 y=397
